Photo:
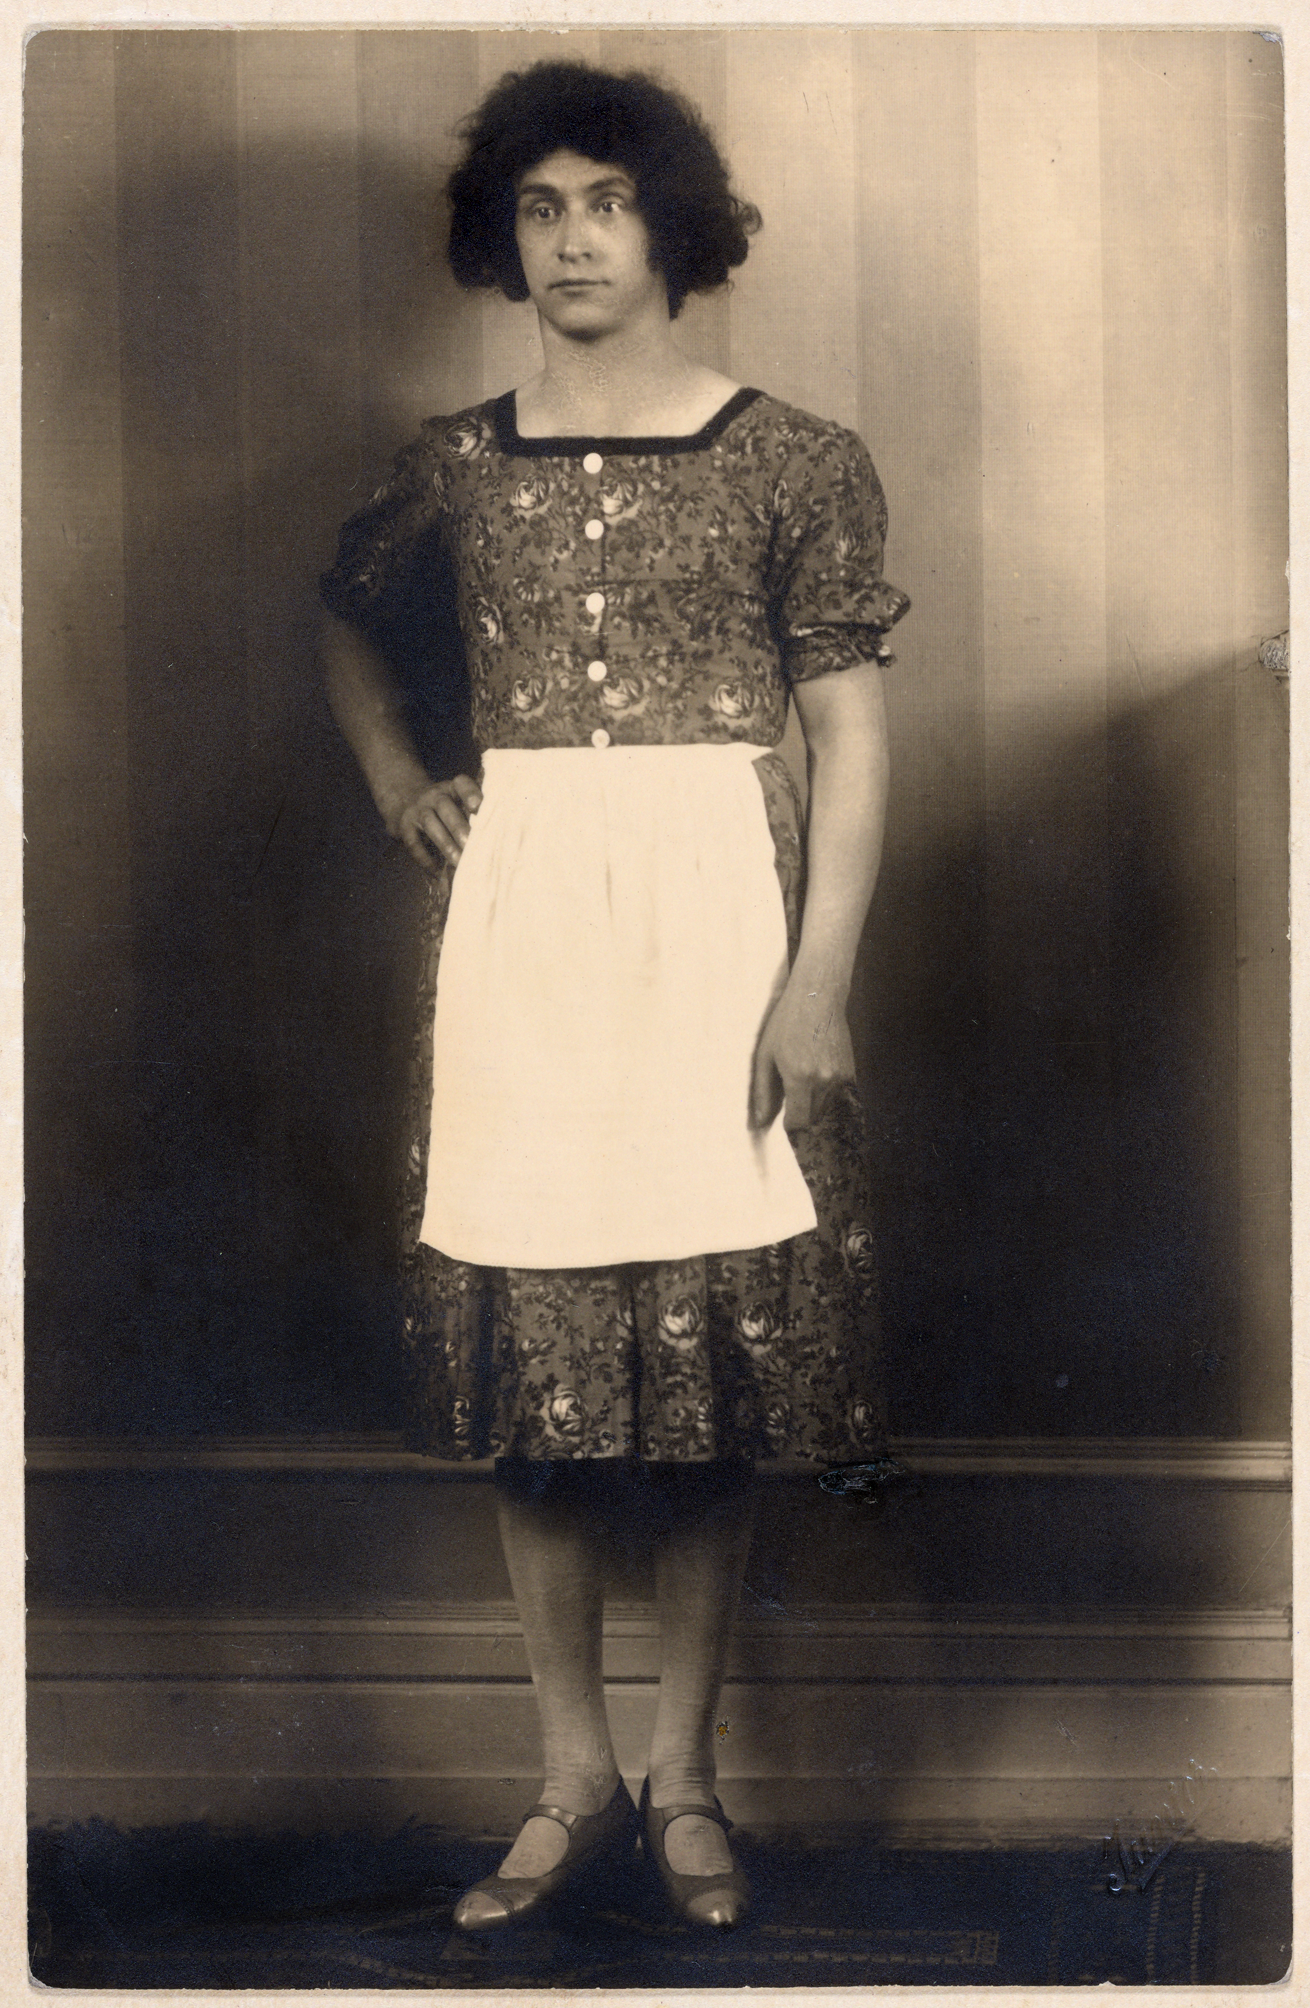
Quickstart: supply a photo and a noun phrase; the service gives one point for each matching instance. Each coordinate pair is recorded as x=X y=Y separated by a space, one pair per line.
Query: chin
x=583 y=324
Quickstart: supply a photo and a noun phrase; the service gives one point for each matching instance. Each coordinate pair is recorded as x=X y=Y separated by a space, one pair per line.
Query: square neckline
x=573 y=445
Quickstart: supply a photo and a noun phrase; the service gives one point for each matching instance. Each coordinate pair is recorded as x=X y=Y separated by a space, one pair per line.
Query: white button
x=600 y=737
x=597 y=671
x=592 y=462
x=595 y=603
x=594 y=529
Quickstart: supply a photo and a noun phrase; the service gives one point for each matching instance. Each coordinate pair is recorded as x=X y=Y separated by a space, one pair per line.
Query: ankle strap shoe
x=716 y=1902
x=594 y=1838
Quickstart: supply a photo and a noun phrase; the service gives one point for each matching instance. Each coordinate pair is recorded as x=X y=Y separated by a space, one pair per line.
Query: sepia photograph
x=657 y=1133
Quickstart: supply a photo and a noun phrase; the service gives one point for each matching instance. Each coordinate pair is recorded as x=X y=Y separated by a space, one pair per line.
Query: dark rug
x=188 y=1907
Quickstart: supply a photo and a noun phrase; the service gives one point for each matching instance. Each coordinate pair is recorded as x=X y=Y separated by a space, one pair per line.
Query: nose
x=574 y=237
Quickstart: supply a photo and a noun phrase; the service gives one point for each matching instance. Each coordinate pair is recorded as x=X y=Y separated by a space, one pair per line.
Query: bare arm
x=366 y=702
x=806 y=1044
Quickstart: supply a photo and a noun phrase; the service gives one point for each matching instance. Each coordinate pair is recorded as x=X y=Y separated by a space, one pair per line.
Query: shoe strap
x=669 y=1814
x=560 y=1814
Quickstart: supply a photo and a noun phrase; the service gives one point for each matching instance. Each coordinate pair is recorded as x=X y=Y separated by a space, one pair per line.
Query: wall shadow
x=1053 y=1104
x=211 y=1217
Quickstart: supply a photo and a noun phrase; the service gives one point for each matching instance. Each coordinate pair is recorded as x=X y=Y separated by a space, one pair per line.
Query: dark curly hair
x=698 y=228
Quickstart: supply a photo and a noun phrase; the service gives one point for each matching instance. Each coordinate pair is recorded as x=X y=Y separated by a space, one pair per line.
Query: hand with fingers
x=435 y=822
x=804 y=1053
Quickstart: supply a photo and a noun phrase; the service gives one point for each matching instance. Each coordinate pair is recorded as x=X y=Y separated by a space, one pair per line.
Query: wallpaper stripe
x=792 y=312
x=296 y=351
x=178 y=246
x=414 y=88
x=923 y=1015
x=79 y=987
x=1042 y=474
x=1168 y=374
x=1257 y=264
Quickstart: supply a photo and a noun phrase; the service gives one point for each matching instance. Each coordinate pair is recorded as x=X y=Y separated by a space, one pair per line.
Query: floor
x=189 y=1907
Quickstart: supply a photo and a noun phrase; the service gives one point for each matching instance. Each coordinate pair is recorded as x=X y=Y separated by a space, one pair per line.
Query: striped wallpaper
x=1042 y=274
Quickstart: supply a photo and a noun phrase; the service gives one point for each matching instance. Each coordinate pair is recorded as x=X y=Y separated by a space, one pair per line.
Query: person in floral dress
x=638 y=1244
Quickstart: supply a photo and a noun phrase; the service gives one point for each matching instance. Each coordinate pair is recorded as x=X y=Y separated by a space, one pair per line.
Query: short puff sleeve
x=830 y=606
x=394 y=580
x=392 y=550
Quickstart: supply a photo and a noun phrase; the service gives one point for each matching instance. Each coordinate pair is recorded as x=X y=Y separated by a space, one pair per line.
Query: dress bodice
x=631 y=591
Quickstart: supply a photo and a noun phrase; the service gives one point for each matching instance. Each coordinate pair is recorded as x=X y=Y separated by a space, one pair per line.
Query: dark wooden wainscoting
x=1028 y=1641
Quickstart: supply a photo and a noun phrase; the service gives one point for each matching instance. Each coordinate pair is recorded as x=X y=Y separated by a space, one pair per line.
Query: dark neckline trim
x=563 y=446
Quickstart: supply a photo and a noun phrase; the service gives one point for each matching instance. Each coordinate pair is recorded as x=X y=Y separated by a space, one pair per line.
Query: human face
x=584 y=247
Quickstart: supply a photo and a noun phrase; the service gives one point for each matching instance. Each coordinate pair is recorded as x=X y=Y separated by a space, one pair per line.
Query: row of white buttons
x=595 y=602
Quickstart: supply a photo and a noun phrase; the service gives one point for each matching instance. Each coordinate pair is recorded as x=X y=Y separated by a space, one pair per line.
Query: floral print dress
x=640 y=592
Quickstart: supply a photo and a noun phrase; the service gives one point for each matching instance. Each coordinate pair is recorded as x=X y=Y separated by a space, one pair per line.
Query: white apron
x=615 y=941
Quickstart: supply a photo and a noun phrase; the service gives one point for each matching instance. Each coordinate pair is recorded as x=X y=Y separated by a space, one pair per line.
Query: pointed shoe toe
x=715 y=1902
x=479 y=1910
x=721 y=1908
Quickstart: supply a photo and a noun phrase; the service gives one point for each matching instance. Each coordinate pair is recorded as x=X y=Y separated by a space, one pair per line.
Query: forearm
x=367 y=704
x=847 y=754
x=805 y=1047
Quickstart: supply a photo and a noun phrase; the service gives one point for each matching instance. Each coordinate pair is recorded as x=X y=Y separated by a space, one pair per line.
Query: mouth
x=574 y=285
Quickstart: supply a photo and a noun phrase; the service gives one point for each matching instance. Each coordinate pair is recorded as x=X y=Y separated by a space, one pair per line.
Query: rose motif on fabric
x=531 y=495
x=467 y=437
x=848 y=543
x=528 y=695
x=680 y=1323
x=461 y=1418
x=620 y=500
x=488 y=622
x=783 y=507
x=625 y=1320
x=622 y=693
x=759 y=1329
x=564 y=1411
x=861 y=1416
x=530 y=592
x=860 y=1252
x=777 y=1421
x=733 y=700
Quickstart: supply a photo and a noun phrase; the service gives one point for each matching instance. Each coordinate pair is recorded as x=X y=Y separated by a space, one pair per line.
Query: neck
x=609 y=385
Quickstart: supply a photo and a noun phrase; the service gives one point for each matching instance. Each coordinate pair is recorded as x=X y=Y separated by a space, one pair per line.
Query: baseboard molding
x=1000 y=1645
x=1230 y=1462
x=969 y=1813
x=963 y=1726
